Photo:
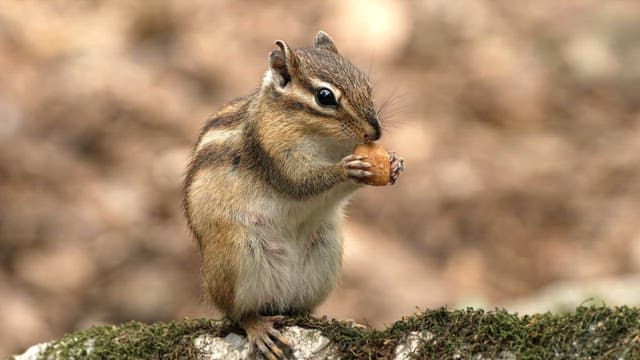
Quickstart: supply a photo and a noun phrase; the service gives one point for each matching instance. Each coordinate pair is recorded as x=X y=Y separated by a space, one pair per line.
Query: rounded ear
x=283 y=63
x=324 y=41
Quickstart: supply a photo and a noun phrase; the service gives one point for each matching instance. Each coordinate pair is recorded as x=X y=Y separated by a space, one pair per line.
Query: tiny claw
x=397 y=166
x=272 y=346
x=264 y=349
x=278 y=336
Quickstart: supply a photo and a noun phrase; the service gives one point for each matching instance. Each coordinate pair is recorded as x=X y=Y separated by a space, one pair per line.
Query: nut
x=380 y=160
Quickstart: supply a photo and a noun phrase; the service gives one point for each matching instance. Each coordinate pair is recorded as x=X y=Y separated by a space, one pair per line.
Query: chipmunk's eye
x=325 y=97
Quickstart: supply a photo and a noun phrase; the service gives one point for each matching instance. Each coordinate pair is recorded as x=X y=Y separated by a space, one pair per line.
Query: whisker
x=393 y=105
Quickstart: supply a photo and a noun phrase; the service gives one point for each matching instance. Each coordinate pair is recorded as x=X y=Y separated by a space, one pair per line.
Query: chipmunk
x=267 y=183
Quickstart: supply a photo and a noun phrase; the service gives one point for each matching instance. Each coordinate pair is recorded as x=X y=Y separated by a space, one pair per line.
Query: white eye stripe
x=308 y=96
x=343 y=103
x=317 y=84
x=304 y=95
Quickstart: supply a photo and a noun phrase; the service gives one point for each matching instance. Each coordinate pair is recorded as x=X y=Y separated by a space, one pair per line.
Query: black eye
x=325 y=97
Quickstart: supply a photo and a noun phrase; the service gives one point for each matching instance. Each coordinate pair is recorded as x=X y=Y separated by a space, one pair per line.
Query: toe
x=264 y=349
x=273 y=348
x=359 y=164
x=274 y=319
x=352 y=157
x=359 y=174
x=279 y=337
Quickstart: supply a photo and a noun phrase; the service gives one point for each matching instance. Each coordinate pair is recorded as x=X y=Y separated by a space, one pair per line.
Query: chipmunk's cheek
x=348 y=131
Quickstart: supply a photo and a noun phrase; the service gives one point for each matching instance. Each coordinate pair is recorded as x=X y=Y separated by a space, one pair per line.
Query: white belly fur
x=288 y=268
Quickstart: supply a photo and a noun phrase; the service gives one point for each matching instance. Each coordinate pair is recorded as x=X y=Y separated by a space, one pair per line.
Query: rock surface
x=307 y=344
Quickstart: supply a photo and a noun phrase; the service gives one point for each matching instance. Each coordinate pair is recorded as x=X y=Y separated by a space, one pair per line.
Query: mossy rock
x=586 y=333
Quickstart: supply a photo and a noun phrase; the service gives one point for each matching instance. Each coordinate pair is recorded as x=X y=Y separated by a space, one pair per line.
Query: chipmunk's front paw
x=397 y=166
x=356 y=168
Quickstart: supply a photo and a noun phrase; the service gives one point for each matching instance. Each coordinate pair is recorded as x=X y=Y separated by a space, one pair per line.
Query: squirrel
x=266 y=186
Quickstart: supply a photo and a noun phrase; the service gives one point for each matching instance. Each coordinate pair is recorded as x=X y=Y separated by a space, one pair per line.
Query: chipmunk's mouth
x=373 y=131
x=372 y=135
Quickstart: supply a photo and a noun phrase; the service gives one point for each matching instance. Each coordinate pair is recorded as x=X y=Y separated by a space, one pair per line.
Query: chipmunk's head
x=322 y=91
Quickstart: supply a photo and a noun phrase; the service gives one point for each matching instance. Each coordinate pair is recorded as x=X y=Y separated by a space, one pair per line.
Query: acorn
x=386 y=167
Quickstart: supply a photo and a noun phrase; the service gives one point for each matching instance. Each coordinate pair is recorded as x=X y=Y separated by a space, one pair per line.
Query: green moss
x=587 y=333
x=135 y=340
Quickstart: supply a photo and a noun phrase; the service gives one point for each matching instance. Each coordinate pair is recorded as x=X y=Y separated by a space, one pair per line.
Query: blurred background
x=520 y=125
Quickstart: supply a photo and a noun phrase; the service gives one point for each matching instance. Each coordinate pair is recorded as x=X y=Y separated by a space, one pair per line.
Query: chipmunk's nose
x=375 y=132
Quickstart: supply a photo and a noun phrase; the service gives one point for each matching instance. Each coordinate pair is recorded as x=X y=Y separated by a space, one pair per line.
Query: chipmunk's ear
x=324 y=41
x=283 y=64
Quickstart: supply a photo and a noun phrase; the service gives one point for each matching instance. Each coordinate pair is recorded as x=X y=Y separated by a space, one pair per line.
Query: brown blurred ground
x=520 y=124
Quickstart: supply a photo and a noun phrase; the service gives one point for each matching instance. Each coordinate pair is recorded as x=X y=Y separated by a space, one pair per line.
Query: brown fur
x=267 y=181
x=220 y=265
